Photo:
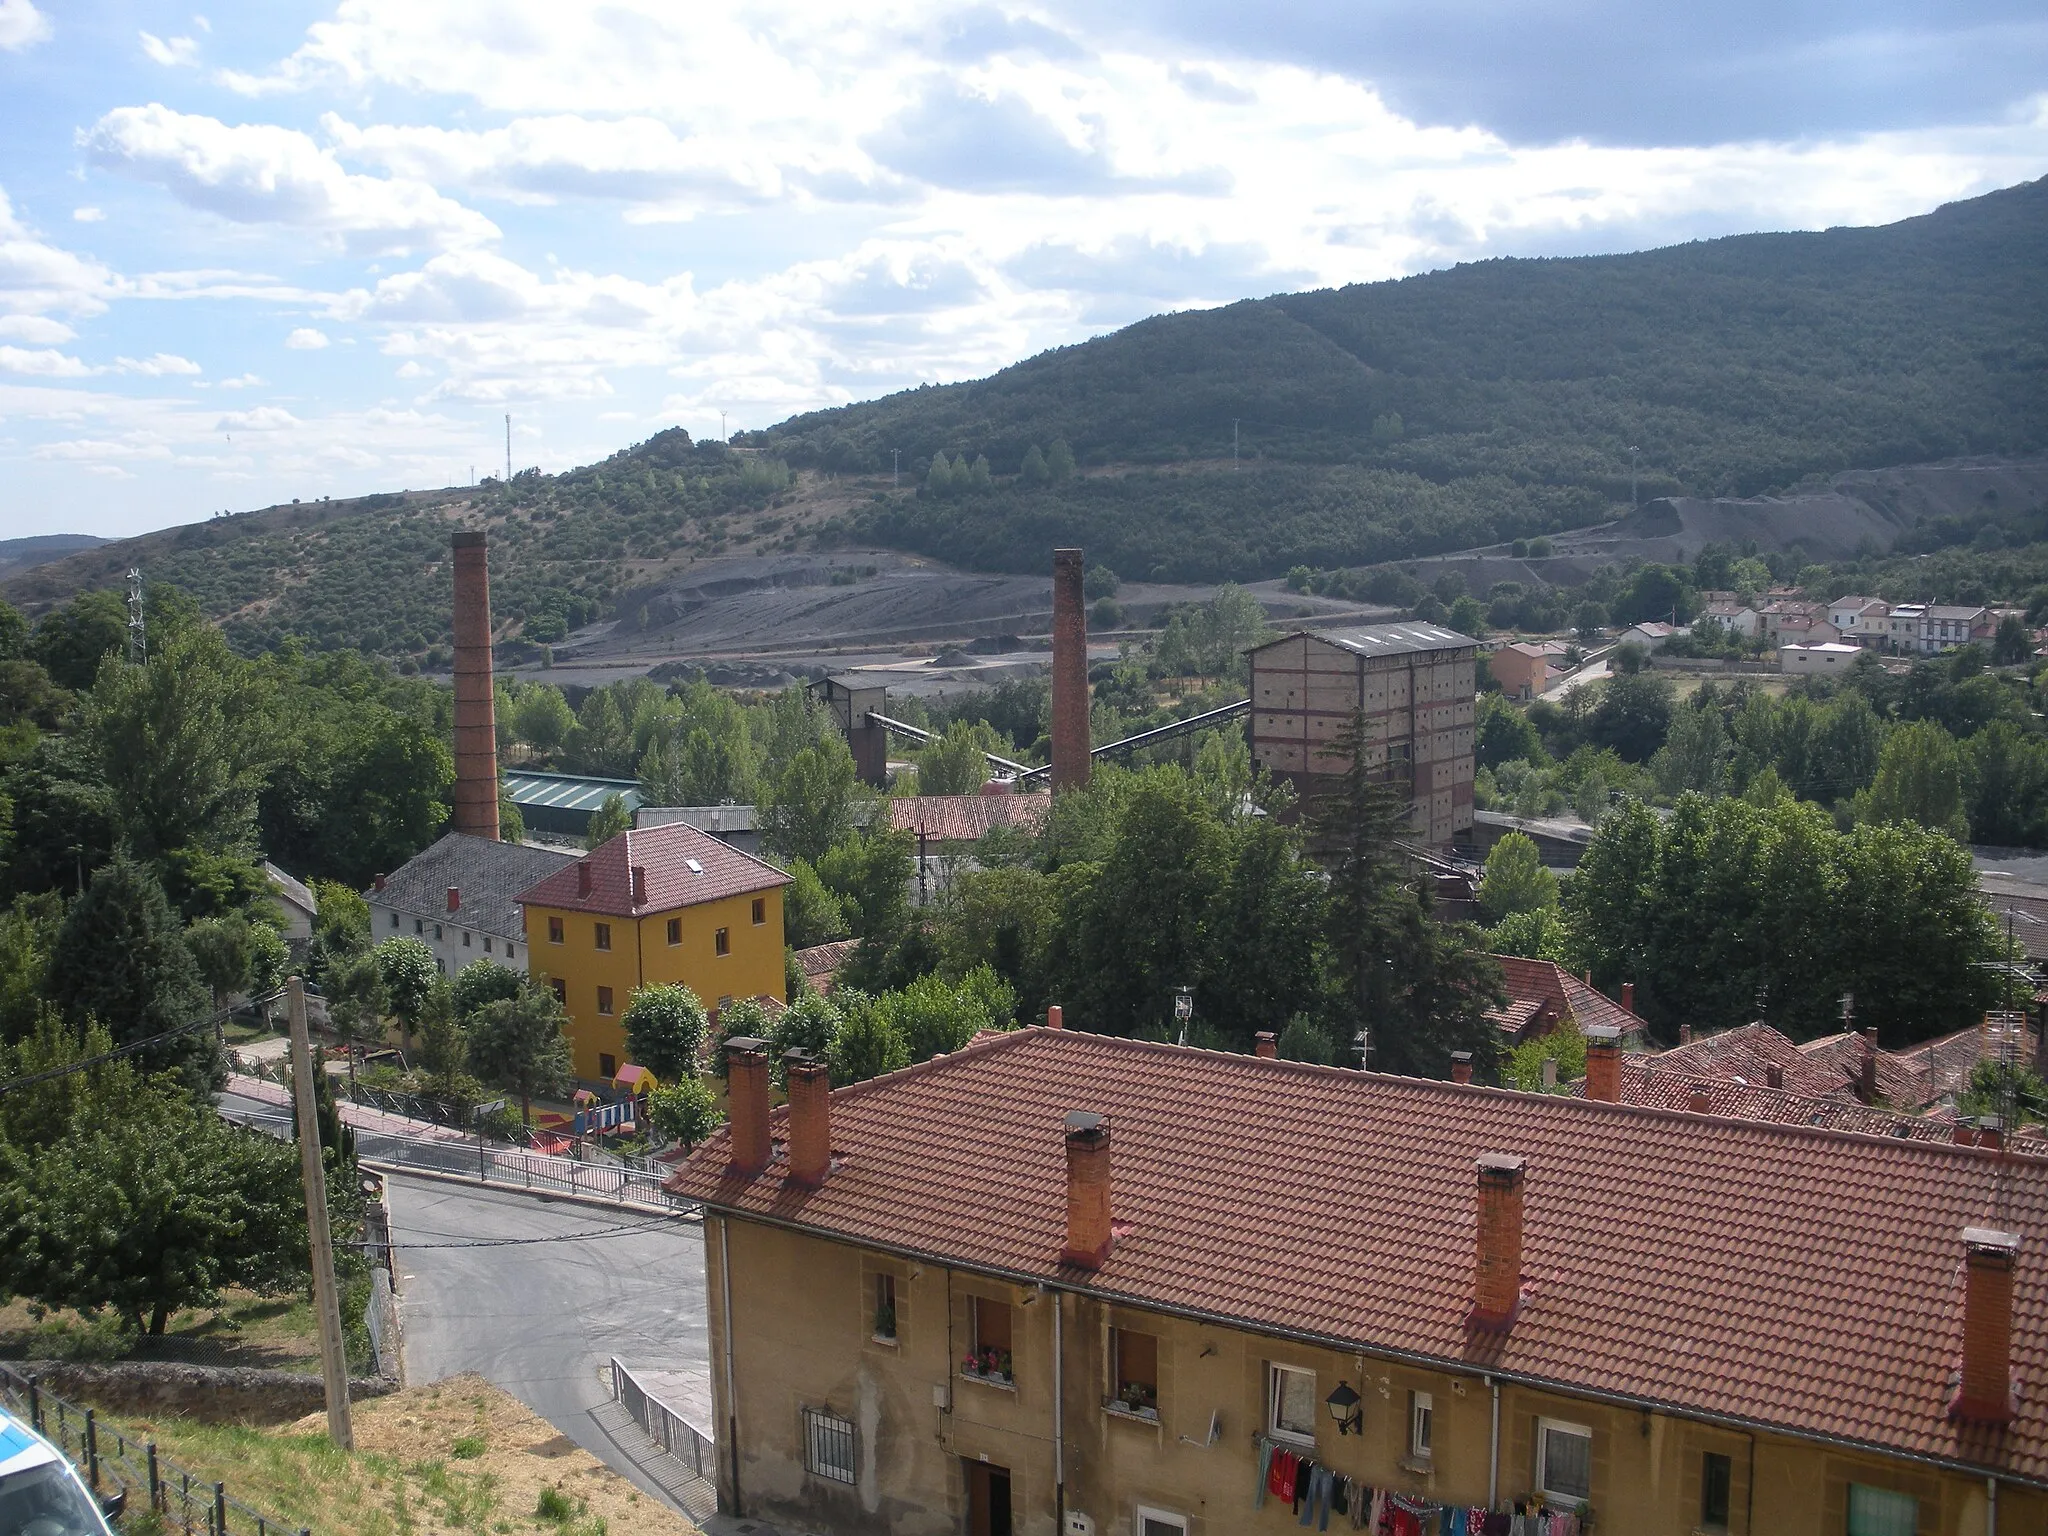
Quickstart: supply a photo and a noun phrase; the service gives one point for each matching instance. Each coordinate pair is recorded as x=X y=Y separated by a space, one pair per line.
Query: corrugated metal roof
x=569 y=792
x=1381 y=639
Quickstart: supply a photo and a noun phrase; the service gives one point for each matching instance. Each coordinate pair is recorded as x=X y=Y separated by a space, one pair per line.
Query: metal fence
x=664 y=1426
x=113 y=1462
x=517 y=1168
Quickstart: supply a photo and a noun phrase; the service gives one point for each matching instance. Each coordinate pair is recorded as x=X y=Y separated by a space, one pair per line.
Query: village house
x=1827 y=658
x=1860 y=620
x=1523 y=668
x=1543 y=994
x=1063 y=1284
x=1797 y=622
x=660 y=904
x=1651 y=636
x=460 y=897
x=1737 y=618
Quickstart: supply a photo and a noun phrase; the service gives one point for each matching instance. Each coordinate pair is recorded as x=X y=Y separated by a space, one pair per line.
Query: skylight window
x=695 y=867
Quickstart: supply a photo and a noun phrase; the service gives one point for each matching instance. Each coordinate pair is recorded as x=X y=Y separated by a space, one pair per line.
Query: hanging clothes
x=1266 y=1449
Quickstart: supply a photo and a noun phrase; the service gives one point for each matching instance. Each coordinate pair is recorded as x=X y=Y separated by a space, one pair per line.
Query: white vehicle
x=41 y=1494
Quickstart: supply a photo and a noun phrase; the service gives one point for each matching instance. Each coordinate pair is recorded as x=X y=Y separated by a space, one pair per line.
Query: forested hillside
x=1495 y=400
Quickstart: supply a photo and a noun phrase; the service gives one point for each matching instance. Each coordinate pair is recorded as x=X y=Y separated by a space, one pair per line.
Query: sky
x=265 y=251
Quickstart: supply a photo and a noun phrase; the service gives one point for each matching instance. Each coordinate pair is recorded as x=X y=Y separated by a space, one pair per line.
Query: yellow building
x=663 y=904
x=1059 y=1284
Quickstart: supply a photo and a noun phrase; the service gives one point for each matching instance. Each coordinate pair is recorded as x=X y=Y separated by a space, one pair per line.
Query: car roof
x=21 y=1447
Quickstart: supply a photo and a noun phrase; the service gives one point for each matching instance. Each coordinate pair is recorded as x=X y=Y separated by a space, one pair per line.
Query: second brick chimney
x=1628 y=996
x=454 y=898
x=1461 y=1066
x=1603 y=1063
x=1497 y=1267
x=746 y=1086
x=810 y=1118
x=1266 y=1043
x=1088 y=1233
x=1055 y=1017
x=1984 y=1390
x=1866 y=1075
x=639 y=885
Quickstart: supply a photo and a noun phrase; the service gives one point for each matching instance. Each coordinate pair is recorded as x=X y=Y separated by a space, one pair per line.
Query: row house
x=1794 y=621
x=1063 y=1284
x=1861 y=621
x=1927 y=629
x=1737 y=617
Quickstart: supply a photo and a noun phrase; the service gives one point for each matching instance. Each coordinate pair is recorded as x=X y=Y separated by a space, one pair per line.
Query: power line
x=212 y=1022
x=525 y=1242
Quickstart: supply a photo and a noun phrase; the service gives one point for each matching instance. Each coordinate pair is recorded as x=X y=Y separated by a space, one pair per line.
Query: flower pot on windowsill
x=989 y=1378
x=1117 y=1408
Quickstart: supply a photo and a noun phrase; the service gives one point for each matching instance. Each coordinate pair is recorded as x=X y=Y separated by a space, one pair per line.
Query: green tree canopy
x=665 y=1027
x=607 y=821
x=1515 y=880
x=522 y=1045
x=121 y=958
x=1919 y=780
x=809 y=807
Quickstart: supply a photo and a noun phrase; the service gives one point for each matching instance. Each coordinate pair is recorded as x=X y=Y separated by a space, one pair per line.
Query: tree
x=409 y=972
x=1564 y=1044
x=522 y=1046
x=483 y=982
x=71 y=641
x=1059 y=459
x=542 y=718
x=741 y=1019
x=389 y=798
x=1694 y=755
x=809 y=807
x=607 y=821
x=1099 y=581
x=2005 y=785
x=1303 y=1039
x=665 y=1027
x=121 y=958
x=356 y=1003
x=811 y=914
x=1538 y=935
x=1515 y=880
x=685 y=1112
x=63 y=823
x=869 y=873
x=1033 y=470
x=954 y=764
x=1468 y=617
x=1504 y=734
x=223 y=949
x=1919 y=779
x=13 y=633
x=931 y=1018
x=183 y=747
x=2012 y=644
x=444 y=1035
x=809 y=1024
x=866 y=1044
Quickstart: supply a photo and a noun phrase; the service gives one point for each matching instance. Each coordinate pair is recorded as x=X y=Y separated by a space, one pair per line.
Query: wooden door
x=988 y=1500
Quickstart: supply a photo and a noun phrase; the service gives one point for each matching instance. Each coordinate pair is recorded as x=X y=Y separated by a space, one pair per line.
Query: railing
x=664 y=1426
x=618 y=1183
x=112 y=1462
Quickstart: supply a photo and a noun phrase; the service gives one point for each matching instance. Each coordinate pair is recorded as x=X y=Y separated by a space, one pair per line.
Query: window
x=437 y=933
x=760 y=910
x=604 y=935
x=487 y=943
x=1291 y=1403
x=554 y=930
x=561 y=991
x=989 y=1355
x=1880 y=1512
x=1421 y=1424
x=510 y=952
x=604 y=999
x=419 y=925
x=721 y=941
x=885 y=1308
x=1157 y=1522
x=675 y=930
x=1717 y=1474
x=465 y=936
x=1136 y=1358
x=607 y=1064
x=1564 y=1461
x=828 y=1445
x=394 y=919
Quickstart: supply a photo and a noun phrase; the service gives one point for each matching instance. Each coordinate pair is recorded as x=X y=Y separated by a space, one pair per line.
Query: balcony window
x=554 y=930
x=1136 y=1358
x=1717 y=1479
x=603 y=933
x=885 y=1309
x=1421 y=1424
x=604 y=999
x=1291 y=1404
x=721 y=941
x=989 y=1356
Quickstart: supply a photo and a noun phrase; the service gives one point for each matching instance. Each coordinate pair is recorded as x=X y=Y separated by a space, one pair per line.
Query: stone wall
x=217 y=1394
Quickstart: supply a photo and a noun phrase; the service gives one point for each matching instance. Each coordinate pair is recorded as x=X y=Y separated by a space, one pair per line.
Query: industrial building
x=1415 y=684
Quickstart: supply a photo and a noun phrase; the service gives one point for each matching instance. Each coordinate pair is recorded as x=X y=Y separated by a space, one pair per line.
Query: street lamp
x=1183 y=1009
x=1343 y=1406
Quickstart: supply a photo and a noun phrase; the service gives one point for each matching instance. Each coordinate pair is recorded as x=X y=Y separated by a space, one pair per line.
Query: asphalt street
x=543 y=1319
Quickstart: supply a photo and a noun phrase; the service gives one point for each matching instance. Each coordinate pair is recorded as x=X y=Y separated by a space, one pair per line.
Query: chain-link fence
x=114 y=1462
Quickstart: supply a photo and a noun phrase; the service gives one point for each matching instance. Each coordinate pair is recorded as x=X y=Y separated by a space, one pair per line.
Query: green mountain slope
x=1732 y=365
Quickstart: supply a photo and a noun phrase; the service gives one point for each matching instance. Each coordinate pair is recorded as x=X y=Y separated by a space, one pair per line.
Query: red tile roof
x=964 y=818
x=667 y=854
x=1778 y=1274
x=1533 y=985
x=821 y=962
x=1745 y=1055
x=1844 y=1055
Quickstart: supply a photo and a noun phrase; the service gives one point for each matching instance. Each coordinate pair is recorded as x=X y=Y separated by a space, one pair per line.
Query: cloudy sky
x=269 y=250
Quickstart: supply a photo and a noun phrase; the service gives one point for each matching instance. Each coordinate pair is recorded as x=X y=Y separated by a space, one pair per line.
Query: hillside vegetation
x=1495 y=400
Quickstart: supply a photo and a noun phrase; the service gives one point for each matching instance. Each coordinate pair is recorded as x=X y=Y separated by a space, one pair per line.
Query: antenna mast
x=138 y=641
x=508 y=447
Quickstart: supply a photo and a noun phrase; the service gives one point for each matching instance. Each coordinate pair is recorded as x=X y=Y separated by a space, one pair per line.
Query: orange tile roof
x=964 y=818
x=1746 y=1053
x=666 y=853
x=1531 y=984
x=821 y=962
x=1775 y=1274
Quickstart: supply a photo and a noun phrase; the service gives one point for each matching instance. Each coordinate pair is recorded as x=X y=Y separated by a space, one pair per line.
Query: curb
x=590 y=1201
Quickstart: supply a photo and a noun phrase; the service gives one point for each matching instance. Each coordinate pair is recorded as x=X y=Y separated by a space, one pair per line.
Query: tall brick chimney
x=1069 y=673
x=1984 y=1394
x=746 y=1086
x=810 y=1118
x=1497 y=1268
x=1603 y=1063
x=1266 y=1043
x=476 y=725
x=1088 y=1234
x=1055 y=1016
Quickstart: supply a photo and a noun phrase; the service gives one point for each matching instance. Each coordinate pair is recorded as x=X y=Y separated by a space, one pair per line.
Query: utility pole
x=723 y=435
x=508 y=447
x=138 y=641
x=333 y=1362
x=1633 y=501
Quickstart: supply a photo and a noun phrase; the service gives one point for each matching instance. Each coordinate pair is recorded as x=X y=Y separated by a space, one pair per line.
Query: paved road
x=543 y=1319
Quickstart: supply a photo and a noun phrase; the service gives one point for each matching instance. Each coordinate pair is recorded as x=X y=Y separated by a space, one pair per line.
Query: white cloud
x=36 y=277
x=306 y=339
x=88 y=215
x=241 y=381
x=177 y=53
x=159 y=365
x=38 y=330
x=265 y=418
x=21 y=25
x=42 y=362
x=260 y=174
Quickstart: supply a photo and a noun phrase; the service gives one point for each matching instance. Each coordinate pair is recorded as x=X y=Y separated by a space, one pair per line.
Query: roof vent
x=695 y=867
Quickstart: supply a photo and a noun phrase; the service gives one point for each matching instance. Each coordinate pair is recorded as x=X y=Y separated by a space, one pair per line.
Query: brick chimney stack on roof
x=476 y=725
x=1461 y=1066
x=1991 y=1131
x=1603 y=1063
x=454 y=898
x=1866 y=1075
x=1699 y=1101
x=1069 y=673
x=377 y=883
x=746 y=1086
x=1984 y=1394
x=1055 y=1016
x=1628 y=996
x=1088 y=1232
x=1266 y=1043
x=1497 y=1271
x=583 y=878
x=639 y=885
x=1685 y=1034
x=1774 y=1076
x=810 y=1118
